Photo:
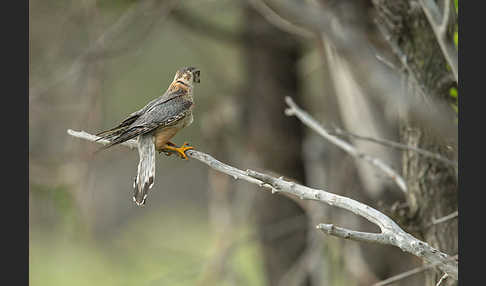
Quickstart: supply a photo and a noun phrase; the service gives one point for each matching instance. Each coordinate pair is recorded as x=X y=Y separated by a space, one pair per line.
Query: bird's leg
x=167 y=152
x=180 y=150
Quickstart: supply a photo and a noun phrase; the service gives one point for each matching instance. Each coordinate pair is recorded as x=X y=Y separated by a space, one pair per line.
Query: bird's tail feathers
x=146 y=169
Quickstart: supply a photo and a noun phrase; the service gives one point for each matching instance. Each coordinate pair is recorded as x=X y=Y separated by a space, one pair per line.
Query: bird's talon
x=180 y=150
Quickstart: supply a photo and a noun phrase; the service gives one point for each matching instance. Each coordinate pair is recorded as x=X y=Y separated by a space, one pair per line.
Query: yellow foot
x=167 y=152
x=180 y=150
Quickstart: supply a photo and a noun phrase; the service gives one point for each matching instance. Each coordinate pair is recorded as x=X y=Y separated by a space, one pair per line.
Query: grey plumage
x=155 y=116
x=154 y=125
x=156 y=109
x=158 y=115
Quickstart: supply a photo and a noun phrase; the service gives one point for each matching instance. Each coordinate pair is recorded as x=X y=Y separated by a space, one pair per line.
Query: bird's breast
x=163 y=135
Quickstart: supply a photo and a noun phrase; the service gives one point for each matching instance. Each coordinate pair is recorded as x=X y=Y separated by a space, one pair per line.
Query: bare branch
x=278 y=21
x=443 y=278
x=198 y=25
x=397 y=145
x=402 y=58
x=351 y=43
x=132 y=143
x=348 y=148
x=445 y=218
x=439 y=26
x=435 y=222
x=386 y=62
x=445 y=18
x=205 y=158
x=403 y=275
x=391 y=233
x=98 y=48
x=409 y=273
x=352 y=234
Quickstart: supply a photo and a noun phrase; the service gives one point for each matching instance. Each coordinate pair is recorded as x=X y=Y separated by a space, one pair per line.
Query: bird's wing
x=113 y=132
x=159 y=115
x=120 y=128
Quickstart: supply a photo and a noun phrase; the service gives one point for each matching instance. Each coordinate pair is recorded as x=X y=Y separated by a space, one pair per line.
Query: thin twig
x=436 y=21
x=435 y=222
x=348 y=148
x=403 y=275
x=389 y=143
x=97 y=48
x=278 y=21
x=353 y=45
x=402 y=58
x=386 y=62
x=445 y=218
x=443 y=278
x=408 y=273
x=200 y=26
x=391 y=233
x=445 y=18
x=352 y=234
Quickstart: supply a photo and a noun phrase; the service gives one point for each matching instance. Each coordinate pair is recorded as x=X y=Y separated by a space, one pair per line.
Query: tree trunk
x=274 y=139
x=432 y=185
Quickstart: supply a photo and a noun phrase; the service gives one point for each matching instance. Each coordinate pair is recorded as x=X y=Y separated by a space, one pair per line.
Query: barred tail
x=146 y=169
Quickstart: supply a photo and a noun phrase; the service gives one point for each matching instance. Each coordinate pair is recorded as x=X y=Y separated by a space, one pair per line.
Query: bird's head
x=187 y=76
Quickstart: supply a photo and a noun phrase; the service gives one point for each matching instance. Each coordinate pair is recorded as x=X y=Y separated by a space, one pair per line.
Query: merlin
x=154 y=125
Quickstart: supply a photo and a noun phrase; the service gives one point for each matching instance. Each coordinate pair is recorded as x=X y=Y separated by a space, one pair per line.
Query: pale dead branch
x=407 y=274
x=352 y=44
x=277 y=20
x=443 y=278
x=445 y=218
x=345 y=146
x=396 y=145
x=391 y=233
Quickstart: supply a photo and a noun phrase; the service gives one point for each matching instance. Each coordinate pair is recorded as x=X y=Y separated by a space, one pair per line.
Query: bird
x=154 y=126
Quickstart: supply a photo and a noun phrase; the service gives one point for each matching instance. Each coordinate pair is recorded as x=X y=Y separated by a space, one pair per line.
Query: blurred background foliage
x=94 y=62
x=84 y=228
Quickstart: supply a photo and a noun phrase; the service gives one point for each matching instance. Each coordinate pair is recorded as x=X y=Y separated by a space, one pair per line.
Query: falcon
x=154 y=125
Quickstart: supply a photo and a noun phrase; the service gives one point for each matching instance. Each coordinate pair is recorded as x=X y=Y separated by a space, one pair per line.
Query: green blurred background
x=94 y=62
x=84 y=228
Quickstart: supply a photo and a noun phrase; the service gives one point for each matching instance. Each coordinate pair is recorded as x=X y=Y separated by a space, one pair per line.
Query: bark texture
x=432 y=185
x=413 y=49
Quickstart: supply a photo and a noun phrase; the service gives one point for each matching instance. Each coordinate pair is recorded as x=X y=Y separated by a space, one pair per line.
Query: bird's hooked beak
x=196 y=75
